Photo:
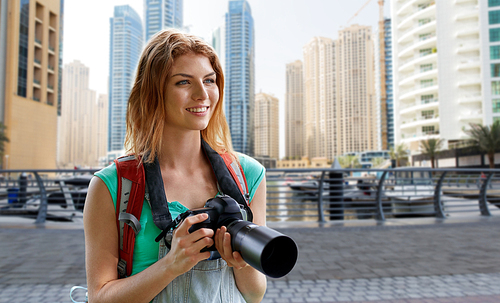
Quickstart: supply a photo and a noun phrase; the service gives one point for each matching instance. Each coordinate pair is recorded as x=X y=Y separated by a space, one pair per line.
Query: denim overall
x=209 y=281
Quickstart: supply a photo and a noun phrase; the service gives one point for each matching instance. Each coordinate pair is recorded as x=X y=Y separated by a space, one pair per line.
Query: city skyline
x=279 y=39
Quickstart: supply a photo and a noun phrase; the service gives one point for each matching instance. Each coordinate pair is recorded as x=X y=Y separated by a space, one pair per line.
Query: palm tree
x=431 y=147
x=487 y=138
x=399 y=153
x=349 y=161
x=3 y=139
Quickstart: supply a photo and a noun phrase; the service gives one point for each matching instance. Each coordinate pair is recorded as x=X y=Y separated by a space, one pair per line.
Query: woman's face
x=192 y=93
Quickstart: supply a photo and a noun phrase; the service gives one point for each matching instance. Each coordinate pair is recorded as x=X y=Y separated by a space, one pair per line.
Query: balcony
x=469 y=81
x=419 y=136
x=408 y=14
x=407 y=79
x=471 y=12
x=418 y=90
x=418 y=106
x=416 y=29
x=36 y=83
x=414 y=60
x=420 y=121
x=468 y=46
x=420 y=43
x=471 y=115
x=470 y=98
x=467 y=31
x=466 y=63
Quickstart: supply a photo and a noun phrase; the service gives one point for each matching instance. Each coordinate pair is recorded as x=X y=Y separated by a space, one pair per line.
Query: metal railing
x=293 y=195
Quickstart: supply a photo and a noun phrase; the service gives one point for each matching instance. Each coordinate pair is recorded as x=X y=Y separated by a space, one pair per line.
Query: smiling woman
x=176 y=128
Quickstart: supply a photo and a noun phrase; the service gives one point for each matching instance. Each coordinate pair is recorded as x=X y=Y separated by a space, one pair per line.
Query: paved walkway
x=413 y=261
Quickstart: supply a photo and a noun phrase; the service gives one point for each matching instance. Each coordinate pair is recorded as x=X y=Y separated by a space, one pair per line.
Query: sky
x=282 y=28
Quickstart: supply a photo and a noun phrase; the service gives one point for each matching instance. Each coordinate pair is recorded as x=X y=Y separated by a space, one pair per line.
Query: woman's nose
x=200 y=92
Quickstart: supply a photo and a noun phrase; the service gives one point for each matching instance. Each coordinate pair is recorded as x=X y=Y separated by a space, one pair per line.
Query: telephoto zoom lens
x=270 y=252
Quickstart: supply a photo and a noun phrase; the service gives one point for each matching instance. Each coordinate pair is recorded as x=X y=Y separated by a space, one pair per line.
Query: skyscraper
x=161 y=14
x=29 y=72
x=239 y=74
x=320 y=98
x=266 y=117
x=356 y=111
x=124 y=52
x=77 y=133
x=294 y=110
x=446 y=72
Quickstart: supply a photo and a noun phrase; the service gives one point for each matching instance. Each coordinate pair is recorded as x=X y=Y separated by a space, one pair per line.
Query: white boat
x=411 y=192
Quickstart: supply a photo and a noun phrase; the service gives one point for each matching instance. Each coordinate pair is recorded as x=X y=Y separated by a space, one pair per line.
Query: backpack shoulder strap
x=238 y=175
x=129 y=202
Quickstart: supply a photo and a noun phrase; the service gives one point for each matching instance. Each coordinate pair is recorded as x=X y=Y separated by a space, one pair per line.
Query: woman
x=176 y=98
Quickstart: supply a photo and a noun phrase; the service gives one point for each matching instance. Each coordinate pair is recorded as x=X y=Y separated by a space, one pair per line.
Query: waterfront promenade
x=404 y=260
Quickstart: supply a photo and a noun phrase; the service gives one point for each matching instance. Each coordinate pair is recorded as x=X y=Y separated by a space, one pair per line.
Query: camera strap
x=226 y=183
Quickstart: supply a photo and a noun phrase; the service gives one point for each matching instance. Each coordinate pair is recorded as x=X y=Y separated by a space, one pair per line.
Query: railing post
x=42 y=210
x=321 y=216
x=483 y=202
x=438 y=205
x=380 y=208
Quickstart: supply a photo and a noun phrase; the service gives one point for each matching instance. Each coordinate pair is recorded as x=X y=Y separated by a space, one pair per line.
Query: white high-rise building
x=443 y=80
x=266 y=122
x=319 y=94
x=294 y=110
x=76 y=133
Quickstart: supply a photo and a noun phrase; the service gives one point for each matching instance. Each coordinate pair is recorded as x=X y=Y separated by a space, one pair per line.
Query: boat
x=411 y=192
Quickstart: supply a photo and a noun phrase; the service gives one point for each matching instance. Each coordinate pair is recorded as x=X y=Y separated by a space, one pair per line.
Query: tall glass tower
x=160 y=14
x=124 y=51
x=239 y=74
x=388 y=82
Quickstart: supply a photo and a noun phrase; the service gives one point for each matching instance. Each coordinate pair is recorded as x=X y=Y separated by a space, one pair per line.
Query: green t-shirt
x=146 y=248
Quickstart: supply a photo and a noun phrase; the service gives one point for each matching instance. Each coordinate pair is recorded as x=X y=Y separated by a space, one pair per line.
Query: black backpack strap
x=157 y=196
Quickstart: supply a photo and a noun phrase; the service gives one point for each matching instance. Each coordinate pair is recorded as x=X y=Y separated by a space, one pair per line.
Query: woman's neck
x=181 y=150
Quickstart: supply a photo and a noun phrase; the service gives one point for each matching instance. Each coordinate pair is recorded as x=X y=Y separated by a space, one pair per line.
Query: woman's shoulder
x=250 y=164
x=109 y=172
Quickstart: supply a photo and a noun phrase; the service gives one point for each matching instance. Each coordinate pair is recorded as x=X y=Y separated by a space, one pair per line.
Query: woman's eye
x=209 y=80
x=182 y=82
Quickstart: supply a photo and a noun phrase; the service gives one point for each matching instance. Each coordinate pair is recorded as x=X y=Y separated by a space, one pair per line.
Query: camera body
x=221 y=211
x=272 y=253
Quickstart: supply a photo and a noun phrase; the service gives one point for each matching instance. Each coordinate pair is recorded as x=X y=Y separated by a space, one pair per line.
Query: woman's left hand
x=223 y=244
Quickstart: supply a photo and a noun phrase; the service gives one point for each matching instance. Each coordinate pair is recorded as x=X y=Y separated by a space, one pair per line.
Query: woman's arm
x=250 y=282
x=101 y=253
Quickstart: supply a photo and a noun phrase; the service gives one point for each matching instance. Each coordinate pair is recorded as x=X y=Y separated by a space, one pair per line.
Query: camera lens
x=265 y=249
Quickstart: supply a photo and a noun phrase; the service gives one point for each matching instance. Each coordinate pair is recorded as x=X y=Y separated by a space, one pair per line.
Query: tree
x=399 y=153
x=487 y=138
x=431 y=148
x=376 y=162
x=3 y=139
x=349 y=161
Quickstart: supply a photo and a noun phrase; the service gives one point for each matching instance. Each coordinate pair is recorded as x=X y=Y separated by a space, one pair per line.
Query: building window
x=424 y=99
x=425 y=67
x=495 y=34
x=492 y=3
x=428 y=130
x=496 y=105
x=495 y=87
x=425 y=52
x=495 y=69
x=495 y=52
x=426 y=83
x=424 y=21
x=22 y=68
x=427 y=114
x=494 y=17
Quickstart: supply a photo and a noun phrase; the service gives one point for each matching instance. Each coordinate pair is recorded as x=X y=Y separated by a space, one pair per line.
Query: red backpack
x=132 y=191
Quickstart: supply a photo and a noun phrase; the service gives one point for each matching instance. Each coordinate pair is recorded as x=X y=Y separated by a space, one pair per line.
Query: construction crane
x=359 y=10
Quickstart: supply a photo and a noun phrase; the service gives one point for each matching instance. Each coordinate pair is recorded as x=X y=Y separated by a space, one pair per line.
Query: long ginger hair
x=146 y=111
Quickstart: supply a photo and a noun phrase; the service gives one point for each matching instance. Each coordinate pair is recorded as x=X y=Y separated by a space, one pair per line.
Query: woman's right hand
x=186 y=247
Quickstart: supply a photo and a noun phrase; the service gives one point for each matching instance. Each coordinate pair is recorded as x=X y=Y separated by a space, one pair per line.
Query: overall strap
x=131 y=191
